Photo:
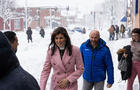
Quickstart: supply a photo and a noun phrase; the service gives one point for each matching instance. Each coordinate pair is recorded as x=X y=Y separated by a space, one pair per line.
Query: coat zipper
x=93 y=57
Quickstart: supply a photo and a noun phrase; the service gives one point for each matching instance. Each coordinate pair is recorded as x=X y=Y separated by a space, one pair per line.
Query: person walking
x=42 y=32
x=111 y=33
x=97 y=61
x=122 y=30
x=117 y=32
x=12 y=75
x=66 y=61
x=29 y=34
x=135 y=49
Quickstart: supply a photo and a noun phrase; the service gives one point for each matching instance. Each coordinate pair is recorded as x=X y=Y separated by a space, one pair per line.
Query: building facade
x=46 y=17
x=135 y=13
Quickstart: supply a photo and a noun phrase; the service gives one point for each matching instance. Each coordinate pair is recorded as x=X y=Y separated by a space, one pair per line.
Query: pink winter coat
x=62 y=69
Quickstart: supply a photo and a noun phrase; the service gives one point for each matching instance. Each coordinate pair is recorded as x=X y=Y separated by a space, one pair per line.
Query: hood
x=101 y=43
x=8 y=59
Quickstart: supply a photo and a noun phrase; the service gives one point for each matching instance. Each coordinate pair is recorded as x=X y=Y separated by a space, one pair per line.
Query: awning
x=124 y=19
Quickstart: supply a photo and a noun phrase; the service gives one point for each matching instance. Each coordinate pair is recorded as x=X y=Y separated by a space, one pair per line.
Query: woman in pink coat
x=66 y=61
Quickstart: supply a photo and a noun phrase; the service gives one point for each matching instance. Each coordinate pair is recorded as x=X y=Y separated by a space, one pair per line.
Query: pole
x=67 y=17
x=26 y=13
x=2 y=13
x=50 y=18
x=127 y=14
x=94 y=18
x=112 y=15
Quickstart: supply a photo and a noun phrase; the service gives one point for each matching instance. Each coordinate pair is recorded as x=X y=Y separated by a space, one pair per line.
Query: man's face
x=135 y=37
x=15 y=44
x=94 y=37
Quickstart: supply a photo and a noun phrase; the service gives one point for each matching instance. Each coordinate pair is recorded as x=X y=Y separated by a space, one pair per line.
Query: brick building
x=47 y=17
x=135 y=13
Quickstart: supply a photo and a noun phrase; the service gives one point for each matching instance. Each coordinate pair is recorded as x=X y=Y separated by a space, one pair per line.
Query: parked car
x=78 y=29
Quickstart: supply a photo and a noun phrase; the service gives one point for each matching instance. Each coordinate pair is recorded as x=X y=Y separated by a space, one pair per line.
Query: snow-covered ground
x=32 y=55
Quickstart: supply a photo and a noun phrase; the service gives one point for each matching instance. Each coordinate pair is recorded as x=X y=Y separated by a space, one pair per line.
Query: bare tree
x=6 y=10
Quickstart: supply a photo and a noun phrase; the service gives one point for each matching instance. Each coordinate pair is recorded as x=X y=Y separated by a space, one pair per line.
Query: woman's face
x=135 y=37
x=60 y=40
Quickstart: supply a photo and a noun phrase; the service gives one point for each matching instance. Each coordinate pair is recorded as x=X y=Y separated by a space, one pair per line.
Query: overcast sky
x=83 y=5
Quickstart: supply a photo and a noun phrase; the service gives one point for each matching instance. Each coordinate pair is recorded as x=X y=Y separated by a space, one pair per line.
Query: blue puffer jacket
x=96 y=62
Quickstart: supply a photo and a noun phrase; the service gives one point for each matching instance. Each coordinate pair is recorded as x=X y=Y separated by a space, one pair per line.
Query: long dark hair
x=136 y=30
x=52 y=45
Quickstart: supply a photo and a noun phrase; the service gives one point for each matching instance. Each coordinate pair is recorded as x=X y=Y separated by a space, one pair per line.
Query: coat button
x=58 y=73
x=54 y=64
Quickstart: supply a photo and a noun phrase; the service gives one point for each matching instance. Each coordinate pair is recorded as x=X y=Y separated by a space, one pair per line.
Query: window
x=16 y=24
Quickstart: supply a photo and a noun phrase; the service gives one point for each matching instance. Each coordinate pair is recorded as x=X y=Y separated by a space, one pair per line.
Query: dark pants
x=29 y=38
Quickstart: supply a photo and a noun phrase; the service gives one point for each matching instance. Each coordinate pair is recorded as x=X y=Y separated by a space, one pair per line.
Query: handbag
x=122 y=64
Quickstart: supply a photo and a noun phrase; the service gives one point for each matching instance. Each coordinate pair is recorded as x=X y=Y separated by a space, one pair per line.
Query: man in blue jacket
x=97 y=61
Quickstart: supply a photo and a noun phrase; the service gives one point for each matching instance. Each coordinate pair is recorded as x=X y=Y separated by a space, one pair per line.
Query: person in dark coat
x=42 y=32
x=122 y=30
x=84 y=31
x=117 y=31
x=12 y=75
x=125 y=52
x=29 y=34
